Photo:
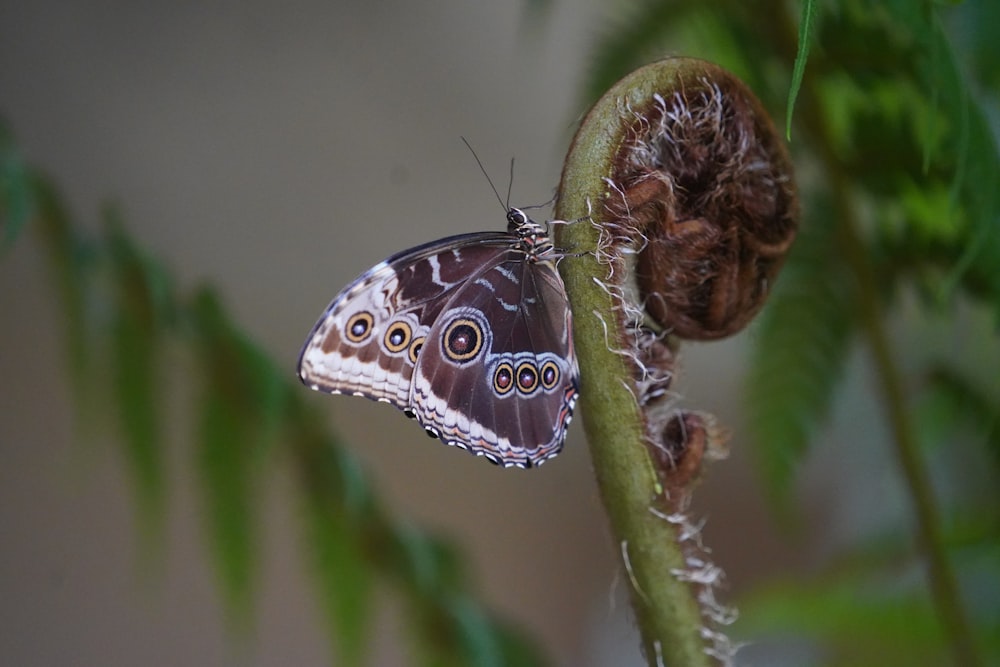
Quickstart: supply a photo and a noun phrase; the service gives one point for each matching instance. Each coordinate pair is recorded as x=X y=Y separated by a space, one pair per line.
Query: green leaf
x=800 y=347
x=909 y=126
x=633 y=37
x=516 y=648
x=428 y=564
x=953 y=403
x=975 y=25
x=341 y=519
x=242 y=403
x=479 y=642
x=17 y=196
x=486 y=641
x=743 y=38
x=867 y=608
x=242 y=372
x=73 y=260
x=345 y=578
x=860 y=620
x=978 y=267
x=141 y=313
x=971 y=155
x=230 y=484
x=806 y=26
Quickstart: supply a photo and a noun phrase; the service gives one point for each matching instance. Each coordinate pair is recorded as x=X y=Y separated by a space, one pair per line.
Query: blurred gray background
x=277 y=151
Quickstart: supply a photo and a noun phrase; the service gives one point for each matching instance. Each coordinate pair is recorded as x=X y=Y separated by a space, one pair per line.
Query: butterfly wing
x=497 y=374
x=368 y=339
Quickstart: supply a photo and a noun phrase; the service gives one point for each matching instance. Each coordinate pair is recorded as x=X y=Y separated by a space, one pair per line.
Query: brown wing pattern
x=511 y=398
x=367 y=339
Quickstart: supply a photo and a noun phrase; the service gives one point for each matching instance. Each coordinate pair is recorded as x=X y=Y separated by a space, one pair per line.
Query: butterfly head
x=520 y=225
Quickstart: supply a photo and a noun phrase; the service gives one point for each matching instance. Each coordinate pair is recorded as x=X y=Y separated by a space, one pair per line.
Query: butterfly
x=470 y=335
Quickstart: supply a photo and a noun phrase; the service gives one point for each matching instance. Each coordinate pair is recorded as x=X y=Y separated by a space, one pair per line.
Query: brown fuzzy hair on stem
x=706 y=182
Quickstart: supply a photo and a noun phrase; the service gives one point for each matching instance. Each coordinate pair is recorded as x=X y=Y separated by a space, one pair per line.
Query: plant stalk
x=941 y=577
x=666 y=610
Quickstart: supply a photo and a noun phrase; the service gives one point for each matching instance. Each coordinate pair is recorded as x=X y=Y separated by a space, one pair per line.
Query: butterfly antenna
x=488 y=179
x=510 y=182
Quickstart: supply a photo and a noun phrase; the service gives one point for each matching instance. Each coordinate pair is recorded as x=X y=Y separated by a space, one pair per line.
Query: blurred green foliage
x=889 y=108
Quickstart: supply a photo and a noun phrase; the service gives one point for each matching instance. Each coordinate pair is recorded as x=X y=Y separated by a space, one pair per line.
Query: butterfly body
x=470 y=335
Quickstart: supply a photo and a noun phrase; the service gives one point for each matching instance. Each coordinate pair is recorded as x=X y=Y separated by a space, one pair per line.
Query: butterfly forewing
x=350 y=350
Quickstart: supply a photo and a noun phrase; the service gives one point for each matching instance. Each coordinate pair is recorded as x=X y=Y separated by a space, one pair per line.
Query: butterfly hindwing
x=501 y=377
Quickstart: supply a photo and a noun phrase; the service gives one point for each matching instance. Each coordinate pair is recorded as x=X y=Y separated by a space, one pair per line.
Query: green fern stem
x=685 y=208
x=665 y=607
x=941 y=576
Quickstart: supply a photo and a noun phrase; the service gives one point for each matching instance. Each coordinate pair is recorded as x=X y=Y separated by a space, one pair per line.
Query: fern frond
x=799 y=349
x=807 y=24
x=17 y=204
x=959 y=404
x=140 y=313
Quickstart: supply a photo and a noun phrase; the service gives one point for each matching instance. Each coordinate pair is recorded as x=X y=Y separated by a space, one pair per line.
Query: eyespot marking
x=359 y=327
x=463 y=340
x=415 y=346
x=527 y=377
x=397 y=337
x=503 y=378
x=550 y=374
